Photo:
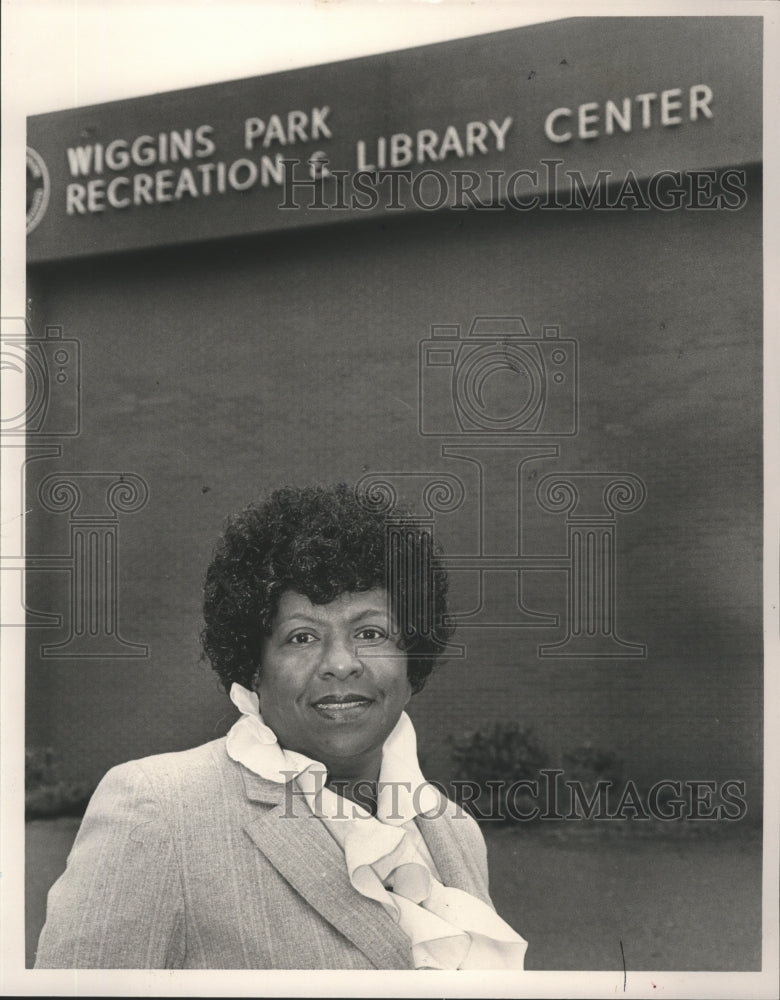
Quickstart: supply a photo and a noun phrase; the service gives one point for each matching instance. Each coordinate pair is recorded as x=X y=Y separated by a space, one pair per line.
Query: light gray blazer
x=188 y=860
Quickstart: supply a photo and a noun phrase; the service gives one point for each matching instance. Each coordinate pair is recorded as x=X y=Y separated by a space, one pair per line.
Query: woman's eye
x=302 y=638
x=372 y=634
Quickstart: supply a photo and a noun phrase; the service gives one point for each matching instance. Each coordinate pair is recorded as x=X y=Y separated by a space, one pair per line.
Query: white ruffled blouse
x=386 y=856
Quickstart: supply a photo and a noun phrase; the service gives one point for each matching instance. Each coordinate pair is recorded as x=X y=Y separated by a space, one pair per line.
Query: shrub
x=495 y=760
x=589 y=765
x=45 y=794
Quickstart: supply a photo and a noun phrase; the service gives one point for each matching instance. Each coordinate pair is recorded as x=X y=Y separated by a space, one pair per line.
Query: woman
x=307 y=838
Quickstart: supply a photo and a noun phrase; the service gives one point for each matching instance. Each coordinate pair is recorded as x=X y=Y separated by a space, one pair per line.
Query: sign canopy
x=486 y=122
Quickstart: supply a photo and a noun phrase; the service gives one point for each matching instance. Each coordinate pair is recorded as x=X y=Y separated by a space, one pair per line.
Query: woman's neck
x=356 y=780
x=360 y=791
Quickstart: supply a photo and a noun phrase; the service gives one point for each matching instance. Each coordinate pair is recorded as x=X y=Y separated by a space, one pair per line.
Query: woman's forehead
x=350 y=606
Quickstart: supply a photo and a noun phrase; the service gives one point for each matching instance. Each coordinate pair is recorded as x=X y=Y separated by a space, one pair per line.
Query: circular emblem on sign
x=38 y=188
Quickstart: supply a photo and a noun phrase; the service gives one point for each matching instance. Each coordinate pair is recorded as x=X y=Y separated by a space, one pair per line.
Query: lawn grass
x=677 y=900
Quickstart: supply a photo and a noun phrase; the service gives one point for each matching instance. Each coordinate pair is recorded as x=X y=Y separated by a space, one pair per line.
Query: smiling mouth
x=342 y=708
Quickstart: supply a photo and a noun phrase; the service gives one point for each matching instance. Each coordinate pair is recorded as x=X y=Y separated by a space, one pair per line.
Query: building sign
x=509 y=119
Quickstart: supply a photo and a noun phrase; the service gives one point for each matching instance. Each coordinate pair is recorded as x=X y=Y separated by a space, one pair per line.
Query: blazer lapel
x=455 y=862
x=304 y=853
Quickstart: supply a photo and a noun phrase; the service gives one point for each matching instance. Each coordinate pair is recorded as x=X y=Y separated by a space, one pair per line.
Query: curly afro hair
x=321 y=542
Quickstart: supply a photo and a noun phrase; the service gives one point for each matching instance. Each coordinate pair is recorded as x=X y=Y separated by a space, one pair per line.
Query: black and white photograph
x=389 y=546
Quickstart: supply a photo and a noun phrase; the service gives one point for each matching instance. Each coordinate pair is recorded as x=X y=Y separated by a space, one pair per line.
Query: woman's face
x=332 y=682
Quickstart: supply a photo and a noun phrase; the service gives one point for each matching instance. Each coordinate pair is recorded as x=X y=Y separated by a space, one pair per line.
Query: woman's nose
x=340 y=658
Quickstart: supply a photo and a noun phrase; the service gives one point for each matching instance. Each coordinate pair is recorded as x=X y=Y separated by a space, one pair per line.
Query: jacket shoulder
x=182 y=773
